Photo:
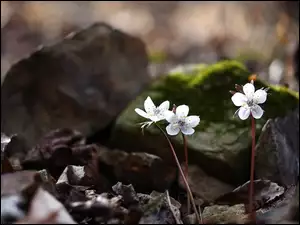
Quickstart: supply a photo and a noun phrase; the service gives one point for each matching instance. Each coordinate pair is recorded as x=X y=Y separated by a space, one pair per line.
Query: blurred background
x=263 y=35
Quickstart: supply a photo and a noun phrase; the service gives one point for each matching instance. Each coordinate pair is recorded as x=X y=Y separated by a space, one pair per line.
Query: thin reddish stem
x=251 y=191
x=186 y=171
x=199 y=218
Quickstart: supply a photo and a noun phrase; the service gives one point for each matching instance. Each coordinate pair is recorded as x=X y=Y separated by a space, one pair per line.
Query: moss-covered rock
x=221 y=144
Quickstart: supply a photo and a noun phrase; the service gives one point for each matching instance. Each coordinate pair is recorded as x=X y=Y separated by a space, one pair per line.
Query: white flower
x=153 y=113
x=179 y=121
x=249 y=101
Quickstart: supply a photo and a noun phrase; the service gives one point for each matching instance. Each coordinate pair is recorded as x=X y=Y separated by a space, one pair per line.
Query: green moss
x=221 y=143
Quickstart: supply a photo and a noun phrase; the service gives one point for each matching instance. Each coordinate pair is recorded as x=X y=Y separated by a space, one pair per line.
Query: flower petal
x=164 y=106
x=257 y=111
x=155 y=118
x=141 y=113
x=149 y=105
x=192 y=121
x=248 y=90
x=170 y=116
x=182 y=111
x=260 y=96
x=244 y=112
x=187 y=130
x=172 y=130
x=239 y=99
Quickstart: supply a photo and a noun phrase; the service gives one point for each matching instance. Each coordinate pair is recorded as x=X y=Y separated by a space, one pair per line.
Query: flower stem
x=251 y=191
x=186 y=171
x=199 y=218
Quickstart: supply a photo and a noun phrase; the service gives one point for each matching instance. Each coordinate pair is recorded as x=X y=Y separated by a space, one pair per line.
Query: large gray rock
x=221 y=144
x=204 y=186
x=277 y=151
x=82 y=82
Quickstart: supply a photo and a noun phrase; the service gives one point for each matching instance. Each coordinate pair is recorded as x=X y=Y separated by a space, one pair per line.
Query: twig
x=172 y=210
x=199 y=218
x=251 y=191
x=186 y=171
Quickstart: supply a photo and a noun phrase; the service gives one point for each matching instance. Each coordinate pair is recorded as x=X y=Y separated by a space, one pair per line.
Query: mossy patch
x=221 y=142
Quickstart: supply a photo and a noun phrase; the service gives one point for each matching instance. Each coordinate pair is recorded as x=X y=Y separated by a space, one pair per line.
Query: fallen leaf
x=100 y=207
x=285 y=209
x=265 y=192
x=158 y=210
x=54 y=151
x=60 y=148
x=81 y=176
x=127 y=192
x=12 y=208
x=19 y=181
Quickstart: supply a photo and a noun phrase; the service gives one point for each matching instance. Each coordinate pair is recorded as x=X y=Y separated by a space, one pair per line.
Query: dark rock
x=13 y=146
x=13 y=150
x=277 y=150
x=6 y=166
x=82 y=82
x=144 y=171
x=204 y=186
x=134 y=215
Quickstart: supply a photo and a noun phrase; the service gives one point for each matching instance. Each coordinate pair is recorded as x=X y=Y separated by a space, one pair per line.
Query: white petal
x=187 y=130
x=149 y=105
x=141 y=113
x=170 y=116
x=257 y=111
x=172 y=130
x=249 y=90
x=164 y=106
x=155 y=118
x=260 y=96
x=244 y=113
x=182 y=111
x=192 y=121
x=239 y=99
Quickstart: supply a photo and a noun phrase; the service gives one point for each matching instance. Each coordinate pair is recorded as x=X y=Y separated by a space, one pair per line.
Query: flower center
x=250 y=103
x=181 y=123
x=156 y=111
